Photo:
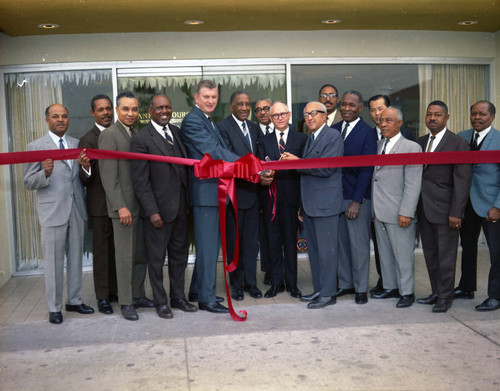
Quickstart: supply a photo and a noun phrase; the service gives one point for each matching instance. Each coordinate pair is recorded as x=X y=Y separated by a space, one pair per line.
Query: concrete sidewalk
x=281 y=346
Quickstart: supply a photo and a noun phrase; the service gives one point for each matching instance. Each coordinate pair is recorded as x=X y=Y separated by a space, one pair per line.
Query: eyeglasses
x=280 y=115
x=313 y=113
x=259 y=110
x=330 y=95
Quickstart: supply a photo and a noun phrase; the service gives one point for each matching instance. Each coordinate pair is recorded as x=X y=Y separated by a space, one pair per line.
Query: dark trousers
x=377 y=257
x=172 y=238
x=265 y=262
x=103 y=257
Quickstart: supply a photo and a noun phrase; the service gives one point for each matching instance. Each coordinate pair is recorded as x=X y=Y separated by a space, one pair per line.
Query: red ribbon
x=247 y=168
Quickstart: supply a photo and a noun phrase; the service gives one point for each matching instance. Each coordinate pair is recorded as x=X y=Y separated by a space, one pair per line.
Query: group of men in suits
x=138 y=209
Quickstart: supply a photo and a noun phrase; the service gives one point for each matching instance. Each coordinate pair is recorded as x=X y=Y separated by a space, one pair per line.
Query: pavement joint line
x=475 y=331
x=188 y=379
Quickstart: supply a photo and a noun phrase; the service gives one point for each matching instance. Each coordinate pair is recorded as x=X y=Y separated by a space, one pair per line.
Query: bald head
x=315 y=114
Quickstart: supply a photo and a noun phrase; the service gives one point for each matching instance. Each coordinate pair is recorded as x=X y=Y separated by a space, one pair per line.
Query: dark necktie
x=344 y=132
x=167 y=136
x=385 y=145
x=61 y=144
x=282 y=142
x=267 y=129
x=246 y=134
x=474 y=143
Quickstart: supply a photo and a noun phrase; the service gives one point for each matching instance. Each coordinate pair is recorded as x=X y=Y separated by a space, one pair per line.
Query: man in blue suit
x=200 y=136
x=483 y=208
x=321 y=196
x=354 y=236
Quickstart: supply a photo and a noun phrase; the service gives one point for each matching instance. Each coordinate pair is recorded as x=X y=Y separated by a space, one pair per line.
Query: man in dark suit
x=162 y=191
x=483 y=208
x=377 y=104
x=445 y=190
x=329 y=96
x=61 y=212
x=321 y=196
x=281 y=202
x=200 y=136
x=103 y=249
x=354 y=248
x=123 y=209
x=240 y=136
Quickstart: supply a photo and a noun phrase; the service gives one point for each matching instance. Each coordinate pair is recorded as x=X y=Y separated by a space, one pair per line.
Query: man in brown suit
x=445 y=190
x=103 y=249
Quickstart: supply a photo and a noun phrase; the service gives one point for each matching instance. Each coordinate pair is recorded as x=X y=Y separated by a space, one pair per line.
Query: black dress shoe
x=104 y=307
x=164 y=311
x=55 y=317
x=113 y=298
x=378 y=288
x=237 y=294
x=129 y=312
x=313 y=296
x=143 y=302
x=342 y=292
x=294 y=292
x=386 y=294
x=267 y=279
x=431 y=299
x=406 y=301
x=489 y=304
x=81 y=308
x=274 y=290
x=442 y=305
x=194 y=298
x=461 y=294
x=214 y=307
x=183 y=304
x=361 y=298
x=253 y=290
x=322 y=302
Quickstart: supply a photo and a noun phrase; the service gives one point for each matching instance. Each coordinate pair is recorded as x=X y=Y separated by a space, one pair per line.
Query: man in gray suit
x=61 y=212
x=322 y=203
x=395 y=192
x=123 y=208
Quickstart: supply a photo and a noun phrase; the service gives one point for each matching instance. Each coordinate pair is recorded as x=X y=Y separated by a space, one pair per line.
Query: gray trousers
x=354 y=249
x=57 y=242
x=396 y=249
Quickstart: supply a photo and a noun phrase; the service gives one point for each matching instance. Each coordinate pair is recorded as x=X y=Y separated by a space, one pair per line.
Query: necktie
x=344 y=132
x=61 y=144
x=381 y=137
x=212 y=122
x=429 y=148
x=267 y=129
x=474 y=143
x=167 y=136
x=246 y=134
x=282 y=142
x=385 y=145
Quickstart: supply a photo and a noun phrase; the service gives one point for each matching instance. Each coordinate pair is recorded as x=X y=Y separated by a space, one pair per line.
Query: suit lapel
x=157 y=139
x=123 y=131
x=239 y=133
x=443 y=141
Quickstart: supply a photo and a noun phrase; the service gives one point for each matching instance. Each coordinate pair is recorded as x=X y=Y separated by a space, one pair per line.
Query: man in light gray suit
x=61 y=212
x=322 y=203
x=395 y=193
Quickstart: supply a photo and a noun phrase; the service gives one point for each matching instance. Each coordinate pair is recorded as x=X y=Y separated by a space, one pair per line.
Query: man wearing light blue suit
x=200 y=136
x=483 y=208
x=322 y=203
x=61 y=212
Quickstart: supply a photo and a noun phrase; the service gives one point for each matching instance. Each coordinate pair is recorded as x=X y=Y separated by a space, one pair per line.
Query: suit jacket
x=485 y=187
x=396 y=189
x=357 y=180
x=55 y=194
x=321 y=188
x=407 y=134
x=246 y=192
x=115 y=173
x=156 y=184
x=445 y=187
x=287 y=181
x=96 y=197
x=200 y=136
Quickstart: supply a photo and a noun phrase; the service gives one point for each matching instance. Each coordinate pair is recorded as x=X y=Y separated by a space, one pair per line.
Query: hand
x=267 y=177
x=125 y=216
x=455 y=223
x=352 y=211
x=493 y=215
x=299 y=215
x=84 y=160
x=48 y=167
x=288 y=156
x=404 y=221
x=156 y=221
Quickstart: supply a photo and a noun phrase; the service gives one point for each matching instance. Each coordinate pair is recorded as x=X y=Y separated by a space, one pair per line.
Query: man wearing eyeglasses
x=329 y=96
x=263 y=116
x=281 y=202
x=359 y=139
x=322 y=203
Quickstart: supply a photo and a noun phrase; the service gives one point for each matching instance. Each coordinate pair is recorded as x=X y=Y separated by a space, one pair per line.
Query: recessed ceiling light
x=331 y=21
x=193 y=22
x=467 y=22
x=48 y=26
x=348 y=77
